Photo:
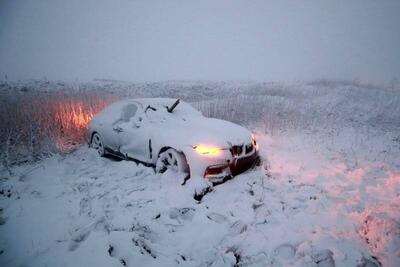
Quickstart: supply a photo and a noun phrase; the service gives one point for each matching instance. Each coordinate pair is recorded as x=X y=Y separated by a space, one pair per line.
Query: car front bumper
x=232 y=167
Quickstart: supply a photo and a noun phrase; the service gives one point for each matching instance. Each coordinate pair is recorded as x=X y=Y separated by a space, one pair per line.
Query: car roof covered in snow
x=160 y=103
x=111 y=113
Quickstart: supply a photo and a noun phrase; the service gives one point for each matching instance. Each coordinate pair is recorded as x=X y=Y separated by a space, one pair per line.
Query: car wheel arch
x=91 y=135
x=165 y=148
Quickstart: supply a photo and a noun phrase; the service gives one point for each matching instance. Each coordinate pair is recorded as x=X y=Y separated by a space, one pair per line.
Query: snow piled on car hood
x=223 y=133
x=201 y=130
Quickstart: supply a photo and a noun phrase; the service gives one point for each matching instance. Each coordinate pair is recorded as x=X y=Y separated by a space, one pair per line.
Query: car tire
x=170 y=159
x=97 y=144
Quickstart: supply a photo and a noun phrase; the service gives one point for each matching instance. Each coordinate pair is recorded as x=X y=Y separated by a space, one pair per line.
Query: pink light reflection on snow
x=367 y=193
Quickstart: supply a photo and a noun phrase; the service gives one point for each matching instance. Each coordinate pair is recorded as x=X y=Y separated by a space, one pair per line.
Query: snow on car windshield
x=157 y=111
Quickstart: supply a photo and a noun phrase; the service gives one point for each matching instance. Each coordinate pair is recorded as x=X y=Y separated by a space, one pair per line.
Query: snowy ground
x=315 y=207
x=331 y=195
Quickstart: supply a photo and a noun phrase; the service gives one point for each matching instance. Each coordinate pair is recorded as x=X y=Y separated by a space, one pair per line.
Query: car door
x=130 y=133
x=105 y=125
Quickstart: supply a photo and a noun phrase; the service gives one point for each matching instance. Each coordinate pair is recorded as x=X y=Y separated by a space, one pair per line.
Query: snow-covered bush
x=36 y=123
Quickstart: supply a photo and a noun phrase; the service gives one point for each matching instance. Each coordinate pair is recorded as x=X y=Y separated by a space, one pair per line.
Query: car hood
x=205 y=131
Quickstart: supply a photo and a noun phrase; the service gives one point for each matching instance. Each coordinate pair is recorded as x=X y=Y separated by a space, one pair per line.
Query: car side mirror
x=117 y=129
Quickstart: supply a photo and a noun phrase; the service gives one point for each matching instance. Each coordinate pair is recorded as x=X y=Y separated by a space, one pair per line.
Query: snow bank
x=312 y=208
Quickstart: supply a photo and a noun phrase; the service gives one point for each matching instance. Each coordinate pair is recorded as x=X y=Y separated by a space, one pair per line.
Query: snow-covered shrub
x=36 y=123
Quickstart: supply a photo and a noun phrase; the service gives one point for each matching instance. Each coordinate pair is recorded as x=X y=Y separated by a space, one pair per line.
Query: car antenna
x=170 y=109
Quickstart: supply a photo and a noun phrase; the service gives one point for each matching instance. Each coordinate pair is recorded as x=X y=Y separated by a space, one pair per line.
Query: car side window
x=128 y=112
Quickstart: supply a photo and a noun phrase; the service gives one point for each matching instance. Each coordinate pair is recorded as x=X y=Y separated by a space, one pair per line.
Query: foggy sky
x=200 y=40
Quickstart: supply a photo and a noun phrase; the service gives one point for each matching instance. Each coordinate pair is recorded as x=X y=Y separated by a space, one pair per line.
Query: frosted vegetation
x=40 y=118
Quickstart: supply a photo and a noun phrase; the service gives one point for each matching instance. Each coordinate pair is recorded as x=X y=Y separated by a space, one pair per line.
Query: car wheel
x=97 y=143
x=171 y=159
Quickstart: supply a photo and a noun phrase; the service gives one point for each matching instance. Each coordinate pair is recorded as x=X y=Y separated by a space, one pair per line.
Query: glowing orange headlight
x=207 y=150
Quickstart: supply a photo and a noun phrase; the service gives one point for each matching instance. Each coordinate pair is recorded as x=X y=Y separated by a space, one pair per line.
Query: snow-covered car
x=167 y=133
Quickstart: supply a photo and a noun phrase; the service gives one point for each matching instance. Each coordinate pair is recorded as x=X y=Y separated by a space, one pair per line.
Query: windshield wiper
x=149 y=107
x=171 y=108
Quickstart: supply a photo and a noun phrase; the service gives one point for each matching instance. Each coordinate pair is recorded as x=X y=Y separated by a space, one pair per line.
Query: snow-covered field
x=329 y=197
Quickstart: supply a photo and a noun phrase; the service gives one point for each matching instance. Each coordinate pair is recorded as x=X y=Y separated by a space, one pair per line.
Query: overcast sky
x=192 y=40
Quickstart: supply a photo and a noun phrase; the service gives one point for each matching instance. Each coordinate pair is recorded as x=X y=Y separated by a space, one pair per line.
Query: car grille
x=249 y=148
x=238 y=150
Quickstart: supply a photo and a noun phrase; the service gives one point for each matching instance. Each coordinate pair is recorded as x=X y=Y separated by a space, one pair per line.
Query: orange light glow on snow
x=73 y=116
x=207 y=150
x=81 y=118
